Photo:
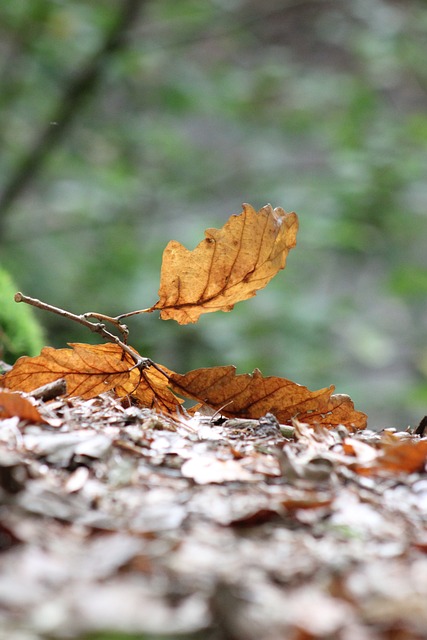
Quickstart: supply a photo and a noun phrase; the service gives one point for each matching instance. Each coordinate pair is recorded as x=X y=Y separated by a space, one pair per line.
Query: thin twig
x=116 y=322
x=96 y=327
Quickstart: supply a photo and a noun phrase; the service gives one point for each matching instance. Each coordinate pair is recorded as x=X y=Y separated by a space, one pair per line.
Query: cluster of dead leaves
x=228 y=266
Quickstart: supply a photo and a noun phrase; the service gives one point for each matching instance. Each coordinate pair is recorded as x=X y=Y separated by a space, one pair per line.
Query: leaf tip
x=247 y=208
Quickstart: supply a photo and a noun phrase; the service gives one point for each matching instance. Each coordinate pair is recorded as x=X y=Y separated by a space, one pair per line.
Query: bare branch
x=95 y=327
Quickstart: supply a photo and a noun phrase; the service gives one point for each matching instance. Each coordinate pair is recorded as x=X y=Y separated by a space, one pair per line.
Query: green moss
x=20 y=333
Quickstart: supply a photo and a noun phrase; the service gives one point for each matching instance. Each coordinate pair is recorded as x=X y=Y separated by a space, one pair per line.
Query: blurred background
x=125 y=124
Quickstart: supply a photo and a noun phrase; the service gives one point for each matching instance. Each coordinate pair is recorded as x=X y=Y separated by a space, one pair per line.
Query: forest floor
x=121 y=523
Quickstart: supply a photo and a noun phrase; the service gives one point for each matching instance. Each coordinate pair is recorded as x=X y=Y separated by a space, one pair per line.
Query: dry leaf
x=228 y=266
x=363 y=452
x=397 y=457
x=89 y=370
x=207 y=469
x=306 y=500
x=150 y=388
x=13 y=404
x=252 y=396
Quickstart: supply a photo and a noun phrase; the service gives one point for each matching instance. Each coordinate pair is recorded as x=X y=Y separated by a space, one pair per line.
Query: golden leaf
x=87 y=369
x=231 y=264
x=90 y=370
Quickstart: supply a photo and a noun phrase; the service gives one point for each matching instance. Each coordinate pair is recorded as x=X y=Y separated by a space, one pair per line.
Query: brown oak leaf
x=87 y=369
x=231 y=264
x=252 y=396
x=90 y=370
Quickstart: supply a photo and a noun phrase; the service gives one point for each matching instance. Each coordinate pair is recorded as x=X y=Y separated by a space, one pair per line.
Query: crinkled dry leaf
x=89 y=370
x=252 y=396
x=228 y=266
x=13 y=404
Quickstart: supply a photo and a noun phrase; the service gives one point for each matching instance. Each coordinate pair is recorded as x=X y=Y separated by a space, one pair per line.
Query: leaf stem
x=96 y=327
x=133 y=313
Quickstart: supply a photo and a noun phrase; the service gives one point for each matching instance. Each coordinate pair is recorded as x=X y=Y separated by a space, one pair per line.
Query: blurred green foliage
x=319 y=107
x=20 y=332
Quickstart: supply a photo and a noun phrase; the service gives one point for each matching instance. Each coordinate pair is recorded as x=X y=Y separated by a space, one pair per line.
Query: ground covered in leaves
x=117 y=522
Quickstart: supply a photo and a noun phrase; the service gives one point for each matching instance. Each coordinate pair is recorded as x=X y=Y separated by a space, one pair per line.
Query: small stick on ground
x=50 y=390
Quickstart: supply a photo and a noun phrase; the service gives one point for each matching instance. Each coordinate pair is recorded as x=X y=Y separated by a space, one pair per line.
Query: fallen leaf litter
x=124 y=519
